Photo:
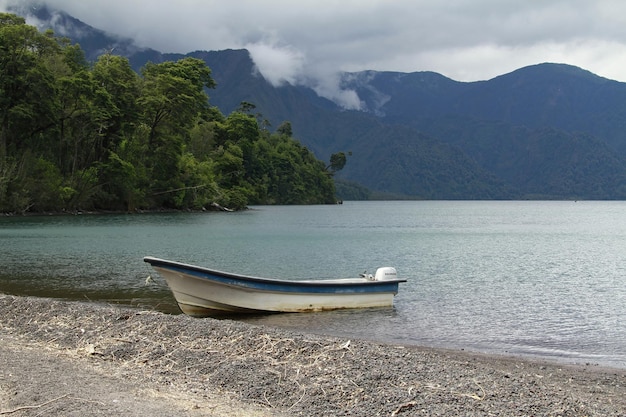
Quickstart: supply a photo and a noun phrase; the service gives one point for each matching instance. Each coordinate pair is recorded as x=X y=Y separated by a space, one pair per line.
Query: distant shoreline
x=212 y=208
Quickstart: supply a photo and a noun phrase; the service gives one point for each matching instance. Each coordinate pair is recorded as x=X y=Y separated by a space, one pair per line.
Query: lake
x=539 y=279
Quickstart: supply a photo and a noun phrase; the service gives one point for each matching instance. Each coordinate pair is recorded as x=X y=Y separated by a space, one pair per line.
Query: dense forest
x=76 y=135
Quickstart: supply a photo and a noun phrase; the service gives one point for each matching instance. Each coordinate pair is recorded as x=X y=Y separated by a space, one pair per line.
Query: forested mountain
x=549 y=130
x=544 y=131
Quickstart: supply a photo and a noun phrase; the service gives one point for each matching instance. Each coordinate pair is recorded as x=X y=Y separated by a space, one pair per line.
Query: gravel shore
x=87 y=359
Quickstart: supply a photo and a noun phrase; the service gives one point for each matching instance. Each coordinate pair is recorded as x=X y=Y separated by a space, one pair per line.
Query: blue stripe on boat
x=276 y=285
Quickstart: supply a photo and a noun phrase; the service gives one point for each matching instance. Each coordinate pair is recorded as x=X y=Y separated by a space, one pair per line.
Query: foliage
x=75 y=136
x=337 y=162
x=349 y=190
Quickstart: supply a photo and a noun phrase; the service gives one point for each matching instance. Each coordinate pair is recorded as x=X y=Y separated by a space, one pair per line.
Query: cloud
x=284 y=64
x=278 y=64
x=329 y=86
x=311 y=42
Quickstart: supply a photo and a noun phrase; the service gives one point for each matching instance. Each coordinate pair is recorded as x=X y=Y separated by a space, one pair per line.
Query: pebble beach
x=90 y=359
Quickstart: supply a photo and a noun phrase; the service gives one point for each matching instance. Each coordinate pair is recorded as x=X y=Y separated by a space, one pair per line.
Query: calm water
x=545 y=279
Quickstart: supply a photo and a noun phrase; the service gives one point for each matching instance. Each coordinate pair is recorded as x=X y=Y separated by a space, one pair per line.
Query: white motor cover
x=385 y=274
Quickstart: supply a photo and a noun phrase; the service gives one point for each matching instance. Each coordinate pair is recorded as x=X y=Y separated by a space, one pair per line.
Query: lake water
x=540 y=279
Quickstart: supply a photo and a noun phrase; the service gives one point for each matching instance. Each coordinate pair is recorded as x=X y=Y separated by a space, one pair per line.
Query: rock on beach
x=88 y=359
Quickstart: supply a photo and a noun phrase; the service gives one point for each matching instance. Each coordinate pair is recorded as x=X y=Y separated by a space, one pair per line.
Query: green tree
x=115 y=75
x=173 y=101
x=122 y=173
x=74 y=135
x=173 y=95
x=285 y=129
x=26 y=83
x=240 y=127
x=27 y=107
x=337 y=162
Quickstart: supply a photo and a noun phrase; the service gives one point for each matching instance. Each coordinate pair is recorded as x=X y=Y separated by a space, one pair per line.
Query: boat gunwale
x=335 y=282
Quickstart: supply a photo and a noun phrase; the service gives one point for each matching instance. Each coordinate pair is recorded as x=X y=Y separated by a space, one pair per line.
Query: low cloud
x=311 y=43
x=329 y=86
x=277 y=64
x=280 y=64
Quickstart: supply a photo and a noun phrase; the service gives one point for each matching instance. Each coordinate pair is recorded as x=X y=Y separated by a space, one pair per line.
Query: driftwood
x=29 y=407
x=220 y=208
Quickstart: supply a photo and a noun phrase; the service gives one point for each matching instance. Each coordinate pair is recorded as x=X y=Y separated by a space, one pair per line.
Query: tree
x=115 y=75
x=173 y=101
x=26 y=83
x=337 y=162
x=27 y=110
x=285 y=129
x=246 y=107
x=173 y=95
x=240 y=127
x=76 y=136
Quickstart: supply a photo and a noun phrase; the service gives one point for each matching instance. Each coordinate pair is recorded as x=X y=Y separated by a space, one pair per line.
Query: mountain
x=549 y=131
x=93 y=41
x=556 y=95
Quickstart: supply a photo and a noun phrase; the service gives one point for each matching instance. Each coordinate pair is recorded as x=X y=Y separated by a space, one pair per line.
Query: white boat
x=203 y=292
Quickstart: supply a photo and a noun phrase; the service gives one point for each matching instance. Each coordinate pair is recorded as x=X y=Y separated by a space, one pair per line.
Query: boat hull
x=203 y=292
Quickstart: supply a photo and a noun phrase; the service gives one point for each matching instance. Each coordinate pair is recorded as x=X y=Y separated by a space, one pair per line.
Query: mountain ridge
x=548 y=130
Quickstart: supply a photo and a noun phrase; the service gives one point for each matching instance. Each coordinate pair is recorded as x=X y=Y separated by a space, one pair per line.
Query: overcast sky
x=308 y=41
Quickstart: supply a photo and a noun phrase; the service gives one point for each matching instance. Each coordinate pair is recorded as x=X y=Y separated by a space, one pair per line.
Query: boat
x=203 y=292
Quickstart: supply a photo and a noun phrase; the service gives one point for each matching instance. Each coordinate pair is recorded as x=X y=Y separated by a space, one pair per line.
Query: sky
x=309 y=42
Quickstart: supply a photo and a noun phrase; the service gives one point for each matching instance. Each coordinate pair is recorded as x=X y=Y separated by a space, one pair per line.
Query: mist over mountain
x=549 y=131
x=94 y=42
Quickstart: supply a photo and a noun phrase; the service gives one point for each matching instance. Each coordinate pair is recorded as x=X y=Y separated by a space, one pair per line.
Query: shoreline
x=211 y=208
x=198 y=366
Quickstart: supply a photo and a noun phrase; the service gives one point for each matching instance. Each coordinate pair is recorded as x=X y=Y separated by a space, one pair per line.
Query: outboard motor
x=385 y=274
